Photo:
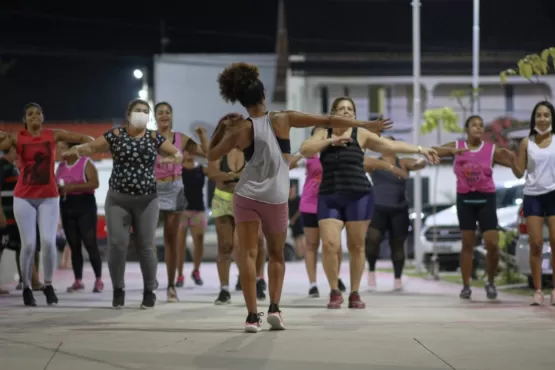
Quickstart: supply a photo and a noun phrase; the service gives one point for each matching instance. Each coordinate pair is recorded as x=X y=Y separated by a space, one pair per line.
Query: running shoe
x=195 y=275
x=28 y=298
x=355 y=301
x=398 y=285
x=172 y=294
x=372 y=286
x=274 y=318
x=538 y=298
x=253 y=323
x=466 y=293
x=336 y=299
x=180 y=281
x=118 y=298
x=19 y=286
x=51 y=298
x=263 y=283
x=341 y=286
x=76 y=287
x=260 y=295
x=149 y=300
x=491 y=291
x=313 y=292
x=223 y=298
x=98 y=286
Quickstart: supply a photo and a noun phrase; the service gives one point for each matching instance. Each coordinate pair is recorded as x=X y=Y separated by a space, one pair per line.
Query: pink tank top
x=163 y=170
x=309 y=196
x=474 y=169
x=74 y=174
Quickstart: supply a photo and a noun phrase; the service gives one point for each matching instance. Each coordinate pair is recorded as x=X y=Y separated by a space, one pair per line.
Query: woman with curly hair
x=261 y=195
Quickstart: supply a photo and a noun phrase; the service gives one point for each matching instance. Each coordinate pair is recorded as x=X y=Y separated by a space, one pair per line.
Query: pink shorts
x=193 y=218
x=273 y=217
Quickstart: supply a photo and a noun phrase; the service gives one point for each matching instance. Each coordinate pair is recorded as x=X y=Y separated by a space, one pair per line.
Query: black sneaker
x=263 y=284
x=195 y=275
x=313 y=292
x=238 y=285
x=260 y=295
x=149 y=299
x=466 y=292
x=50 y=295
x=28 y=298
x=118 y=299
x=223 y=298
x=491 y=291
x=341 y=286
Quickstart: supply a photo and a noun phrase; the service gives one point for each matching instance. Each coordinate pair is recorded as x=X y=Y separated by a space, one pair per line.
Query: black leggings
x=79 y=224
x=396 y=223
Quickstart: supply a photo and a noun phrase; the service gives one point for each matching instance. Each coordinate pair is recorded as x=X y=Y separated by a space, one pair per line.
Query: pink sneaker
x=76 y=286
x=372 y=286
x=98 y=286
x=253 y=322
x=275 y=319
x=538 y=298
x=398 y=285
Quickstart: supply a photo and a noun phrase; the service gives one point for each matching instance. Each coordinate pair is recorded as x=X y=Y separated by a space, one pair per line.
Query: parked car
x=522 y=252
x=443 y=227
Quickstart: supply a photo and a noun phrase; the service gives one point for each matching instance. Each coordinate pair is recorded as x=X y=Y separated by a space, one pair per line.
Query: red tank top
x=36 y=165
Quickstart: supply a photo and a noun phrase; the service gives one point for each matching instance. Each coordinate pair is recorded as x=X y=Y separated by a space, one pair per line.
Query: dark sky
x=78 y=62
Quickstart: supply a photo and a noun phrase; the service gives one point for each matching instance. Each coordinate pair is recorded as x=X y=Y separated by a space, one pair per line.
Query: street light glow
x=138 y=74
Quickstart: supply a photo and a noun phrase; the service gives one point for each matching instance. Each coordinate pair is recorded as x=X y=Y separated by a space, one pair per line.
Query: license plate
x=546 y=264
x=442 y=249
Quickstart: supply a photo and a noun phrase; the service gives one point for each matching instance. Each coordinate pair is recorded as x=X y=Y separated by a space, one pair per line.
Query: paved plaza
x=424 y=328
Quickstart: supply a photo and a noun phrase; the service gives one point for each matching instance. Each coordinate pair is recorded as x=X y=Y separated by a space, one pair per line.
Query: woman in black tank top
x=346 y=198
x=193 y=219
x=391 y=211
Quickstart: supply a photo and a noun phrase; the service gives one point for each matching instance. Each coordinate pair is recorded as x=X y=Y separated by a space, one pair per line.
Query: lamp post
x=417 y=107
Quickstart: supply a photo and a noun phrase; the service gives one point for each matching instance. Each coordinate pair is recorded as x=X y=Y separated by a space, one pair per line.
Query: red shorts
x=273 y=217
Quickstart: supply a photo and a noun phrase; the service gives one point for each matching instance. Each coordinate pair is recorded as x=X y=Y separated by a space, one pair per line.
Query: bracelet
x=419 y=149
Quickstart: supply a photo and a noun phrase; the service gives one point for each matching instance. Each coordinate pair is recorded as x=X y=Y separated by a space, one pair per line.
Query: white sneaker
x=372 y=286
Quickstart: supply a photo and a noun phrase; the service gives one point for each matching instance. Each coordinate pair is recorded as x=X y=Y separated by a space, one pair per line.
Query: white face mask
x=139 y=119
x=542 y=132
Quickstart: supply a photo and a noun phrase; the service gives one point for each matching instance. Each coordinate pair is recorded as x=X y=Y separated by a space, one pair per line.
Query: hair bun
x=237 y=78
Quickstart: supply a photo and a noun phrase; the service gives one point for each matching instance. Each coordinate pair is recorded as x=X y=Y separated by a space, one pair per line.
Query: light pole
x=416 y=110
x=476 y=58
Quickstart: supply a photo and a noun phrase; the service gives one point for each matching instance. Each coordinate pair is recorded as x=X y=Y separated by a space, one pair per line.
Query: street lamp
x=143 y=94
x=138 y=74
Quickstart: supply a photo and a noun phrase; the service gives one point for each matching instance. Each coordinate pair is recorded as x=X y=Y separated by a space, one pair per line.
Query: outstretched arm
x=303 y=120
x=372 y=164
x=71 y=137
x=236 y=134
x=411 y=164
x=519 y=165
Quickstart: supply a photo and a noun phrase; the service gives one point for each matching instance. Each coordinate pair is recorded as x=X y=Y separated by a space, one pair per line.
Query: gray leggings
x=124 y=211
x=28 y=213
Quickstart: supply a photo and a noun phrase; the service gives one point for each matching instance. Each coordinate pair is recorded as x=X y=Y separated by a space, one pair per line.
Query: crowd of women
x=155 y=178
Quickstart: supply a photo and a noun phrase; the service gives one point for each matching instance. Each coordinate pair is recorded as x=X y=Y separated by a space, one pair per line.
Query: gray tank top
x=265 y=177
x=390 y=191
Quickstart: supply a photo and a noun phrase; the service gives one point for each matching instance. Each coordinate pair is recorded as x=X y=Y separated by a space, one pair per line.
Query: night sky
x=78 y=63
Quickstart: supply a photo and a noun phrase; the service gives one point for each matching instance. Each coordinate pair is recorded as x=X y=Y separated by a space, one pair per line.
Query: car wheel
x=289 y=253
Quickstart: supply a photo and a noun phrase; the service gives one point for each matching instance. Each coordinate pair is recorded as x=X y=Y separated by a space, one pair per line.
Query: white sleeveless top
x=265 y=177
x=540 y=169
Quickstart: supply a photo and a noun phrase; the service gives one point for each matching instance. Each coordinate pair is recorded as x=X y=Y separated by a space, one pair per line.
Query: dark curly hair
x=240 y=82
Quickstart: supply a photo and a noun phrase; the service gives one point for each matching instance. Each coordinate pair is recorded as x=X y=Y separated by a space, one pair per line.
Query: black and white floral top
x=133 y=161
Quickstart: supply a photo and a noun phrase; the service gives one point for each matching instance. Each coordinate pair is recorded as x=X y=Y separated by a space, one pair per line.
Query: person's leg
x=225 y=227
x=182 y=247
x=72 y=232
x=87 y=228
x=171 y=227
x=118 y=223
x=145 y=213
x=312 y=233
x=551 y=227
x=247 y=222
x=398 y=233
x=198 y=224
x=26 y=215
x=374 y=236
x=274 y=221
x=48 y=214
x=487 y=220
x=467 y=217
x=260 y=263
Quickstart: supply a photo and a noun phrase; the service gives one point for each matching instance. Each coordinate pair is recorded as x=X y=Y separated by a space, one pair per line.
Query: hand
x=340 y=141
x=171 y=159
x=455 y=151
x=506 y=153
x=65 y=189
x=381 y=124
x=200 y=131
x=400 y=173
x=71 y=153
x=431 y=155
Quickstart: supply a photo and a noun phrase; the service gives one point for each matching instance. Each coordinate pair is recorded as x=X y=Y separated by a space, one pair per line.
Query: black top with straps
x=224 y=167
x=390 y=190
x=343 y=168
x=193 y=182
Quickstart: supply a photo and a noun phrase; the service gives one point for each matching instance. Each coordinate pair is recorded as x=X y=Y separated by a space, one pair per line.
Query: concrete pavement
x=426 y=327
